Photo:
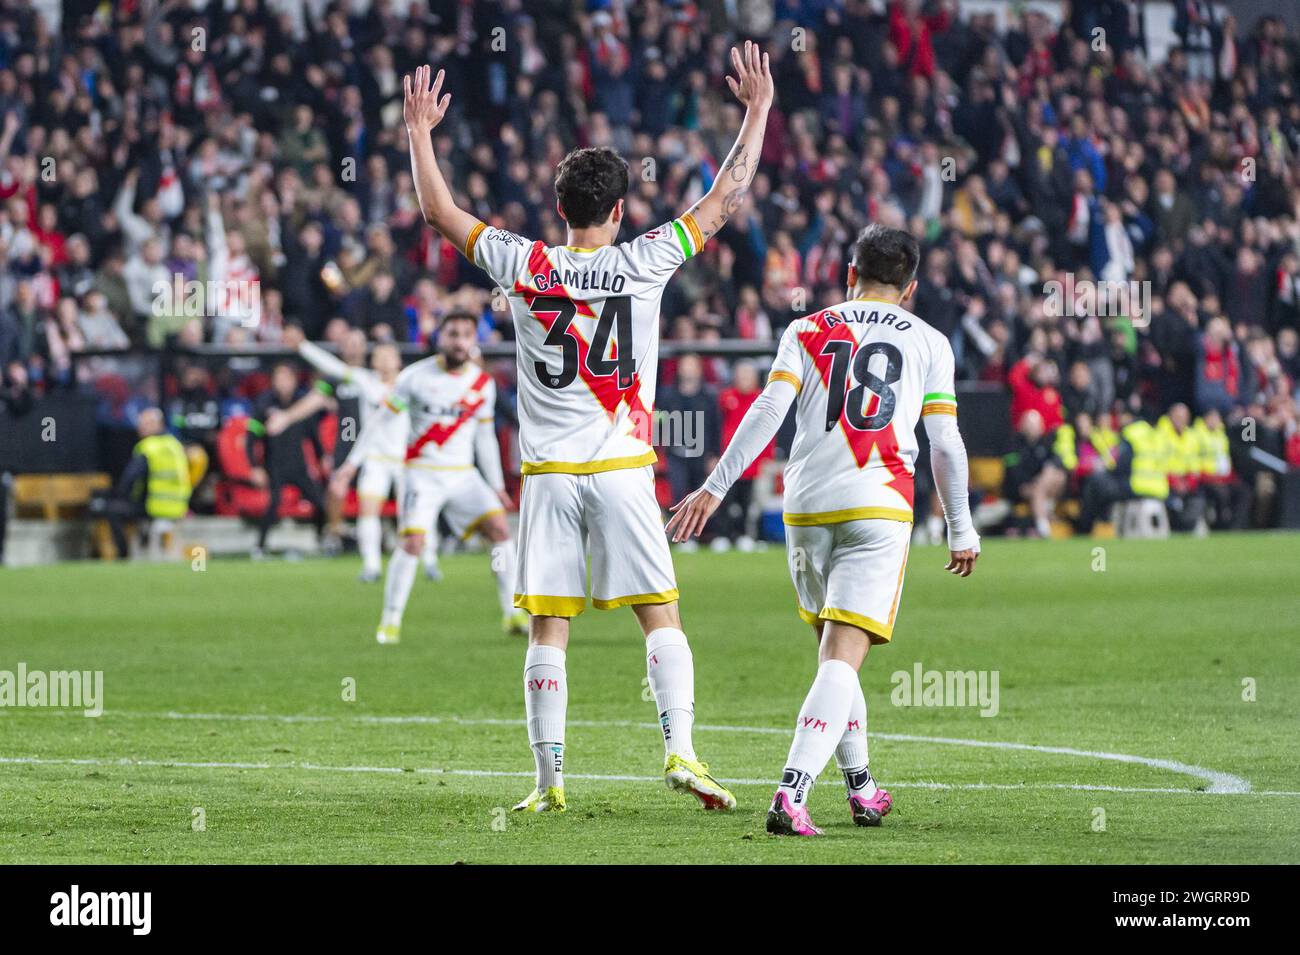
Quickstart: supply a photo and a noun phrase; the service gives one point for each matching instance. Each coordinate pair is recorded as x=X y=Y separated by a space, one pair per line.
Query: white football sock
x=546 y=698
x=370 y=537
x=503 y=568
x=671 y=669
x=397 y=585
x=430 y=556
x=851 y=753
x=824 y=713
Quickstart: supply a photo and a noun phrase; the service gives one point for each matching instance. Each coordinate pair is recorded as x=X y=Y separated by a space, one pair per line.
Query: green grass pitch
x=226 y=736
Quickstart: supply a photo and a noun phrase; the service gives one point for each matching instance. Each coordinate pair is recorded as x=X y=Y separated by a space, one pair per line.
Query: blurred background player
x=587 y=320
x=864 y=372
x=284 y=458
x=448 y=400
x=356 y=399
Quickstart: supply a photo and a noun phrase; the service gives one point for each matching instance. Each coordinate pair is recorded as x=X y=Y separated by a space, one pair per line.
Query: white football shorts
x=611 y=516
x=377 y=475
x=462 y=496
x=851 y=572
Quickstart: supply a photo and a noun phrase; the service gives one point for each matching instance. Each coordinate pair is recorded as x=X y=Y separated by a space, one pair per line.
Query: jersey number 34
x=615 y=320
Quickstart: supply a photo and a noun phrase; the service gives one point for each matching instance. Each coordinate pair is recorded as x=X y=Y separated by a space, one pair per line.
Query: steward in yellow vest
x=1227 y=499
x=1183 y=462
x=1149 y=474
x=1100 y=438
x=1212 y=441
x=1184 y=455
x=156 y=482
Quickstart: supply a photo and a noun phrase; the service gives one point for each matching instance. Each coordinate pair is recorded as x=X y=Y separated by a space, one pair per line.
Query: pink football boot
x=869 y=812
x=785 y=819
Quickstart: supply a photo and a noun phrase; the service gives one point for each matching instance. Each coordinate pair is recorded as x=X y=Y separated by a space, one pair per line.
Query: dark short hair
x=886 y=256
x=459 y=317
x=587 y=184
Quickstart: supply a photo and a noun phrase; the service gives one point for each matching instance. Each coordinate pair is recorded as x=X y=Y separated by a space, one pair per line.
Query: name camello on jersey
x=572 y=280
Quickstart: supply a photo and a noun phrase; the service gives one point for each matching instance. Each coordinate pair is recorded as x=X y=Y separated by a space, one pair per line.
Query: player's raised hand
x=690 y=514
x=962 y=562
x=425 y=105
x=752 y=83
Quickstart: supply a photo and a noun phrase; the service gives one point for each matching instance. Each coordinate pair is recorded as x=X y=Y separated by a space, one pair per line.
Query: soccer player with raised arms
x=586 y=320
x=860 y=374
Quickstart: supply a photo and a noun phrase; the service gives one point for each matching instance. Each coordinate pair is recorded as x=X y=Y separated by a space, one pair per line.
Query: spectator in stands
x=734 y=401
x=1218 y=368
x=1033 y=388
x=1084 y=446
x=1033 y=474
x=689 y=426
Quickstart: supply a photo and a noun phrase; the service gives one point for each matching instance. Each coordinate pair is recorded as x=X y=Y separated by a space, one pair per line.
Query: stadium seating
x=235 y=494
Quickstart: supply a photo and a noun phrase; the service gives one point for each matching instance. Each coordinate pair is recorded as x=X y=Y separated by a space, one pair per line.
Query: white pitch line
x=596 y=777
x=1219 y=783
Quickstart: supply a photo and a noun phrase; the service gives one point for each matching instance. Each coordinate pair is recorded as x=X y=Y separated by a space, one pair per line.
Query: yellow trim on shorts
x=383 y=459
x=440 y=467
x=877 y=631
x=541 y=605
x=411 y=531
x=472 y=527
x=663 y=597
x=590 y=467
x=788 y=378
x=941 y=407
x=471 y=240
x=818 y=518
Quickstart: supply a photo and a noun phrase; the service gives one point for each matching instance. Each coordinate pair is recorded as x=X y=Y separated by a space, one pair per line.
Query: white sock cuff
x=546 y=729
x=542 y=655
x=665 y=637
x=838 y=673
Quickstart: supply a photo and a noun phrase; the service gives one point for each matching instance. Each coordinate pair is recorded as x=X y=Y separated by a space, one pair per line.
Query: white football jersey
x=390 y=441
x=444 y=409
x=866 y=372
x=587 y=332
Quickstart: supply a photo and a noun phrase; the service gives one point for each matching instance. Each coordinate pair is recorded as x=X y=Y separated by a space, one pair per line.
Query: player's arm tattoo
x=728 y=192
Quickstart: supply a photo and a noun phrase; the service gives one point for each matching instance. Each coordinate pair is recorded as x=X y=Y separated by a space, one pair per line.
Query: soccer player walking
x=862 y=373
x=587 y=325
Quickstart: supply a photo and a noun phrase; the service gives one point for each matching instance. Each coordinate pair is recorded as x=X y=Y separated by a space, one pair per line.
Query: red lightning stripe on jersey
x=604 y=388
x=440 y=434
x=861 y=443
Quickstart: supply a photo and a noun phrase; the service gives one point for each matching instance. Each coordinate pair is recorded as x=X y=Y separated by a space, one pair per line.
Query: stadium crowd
x=262 y=144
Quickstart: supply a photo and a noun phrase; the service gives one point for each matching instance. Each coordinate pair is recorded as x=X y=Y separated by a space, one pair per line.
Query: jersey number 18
x=854 y=402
